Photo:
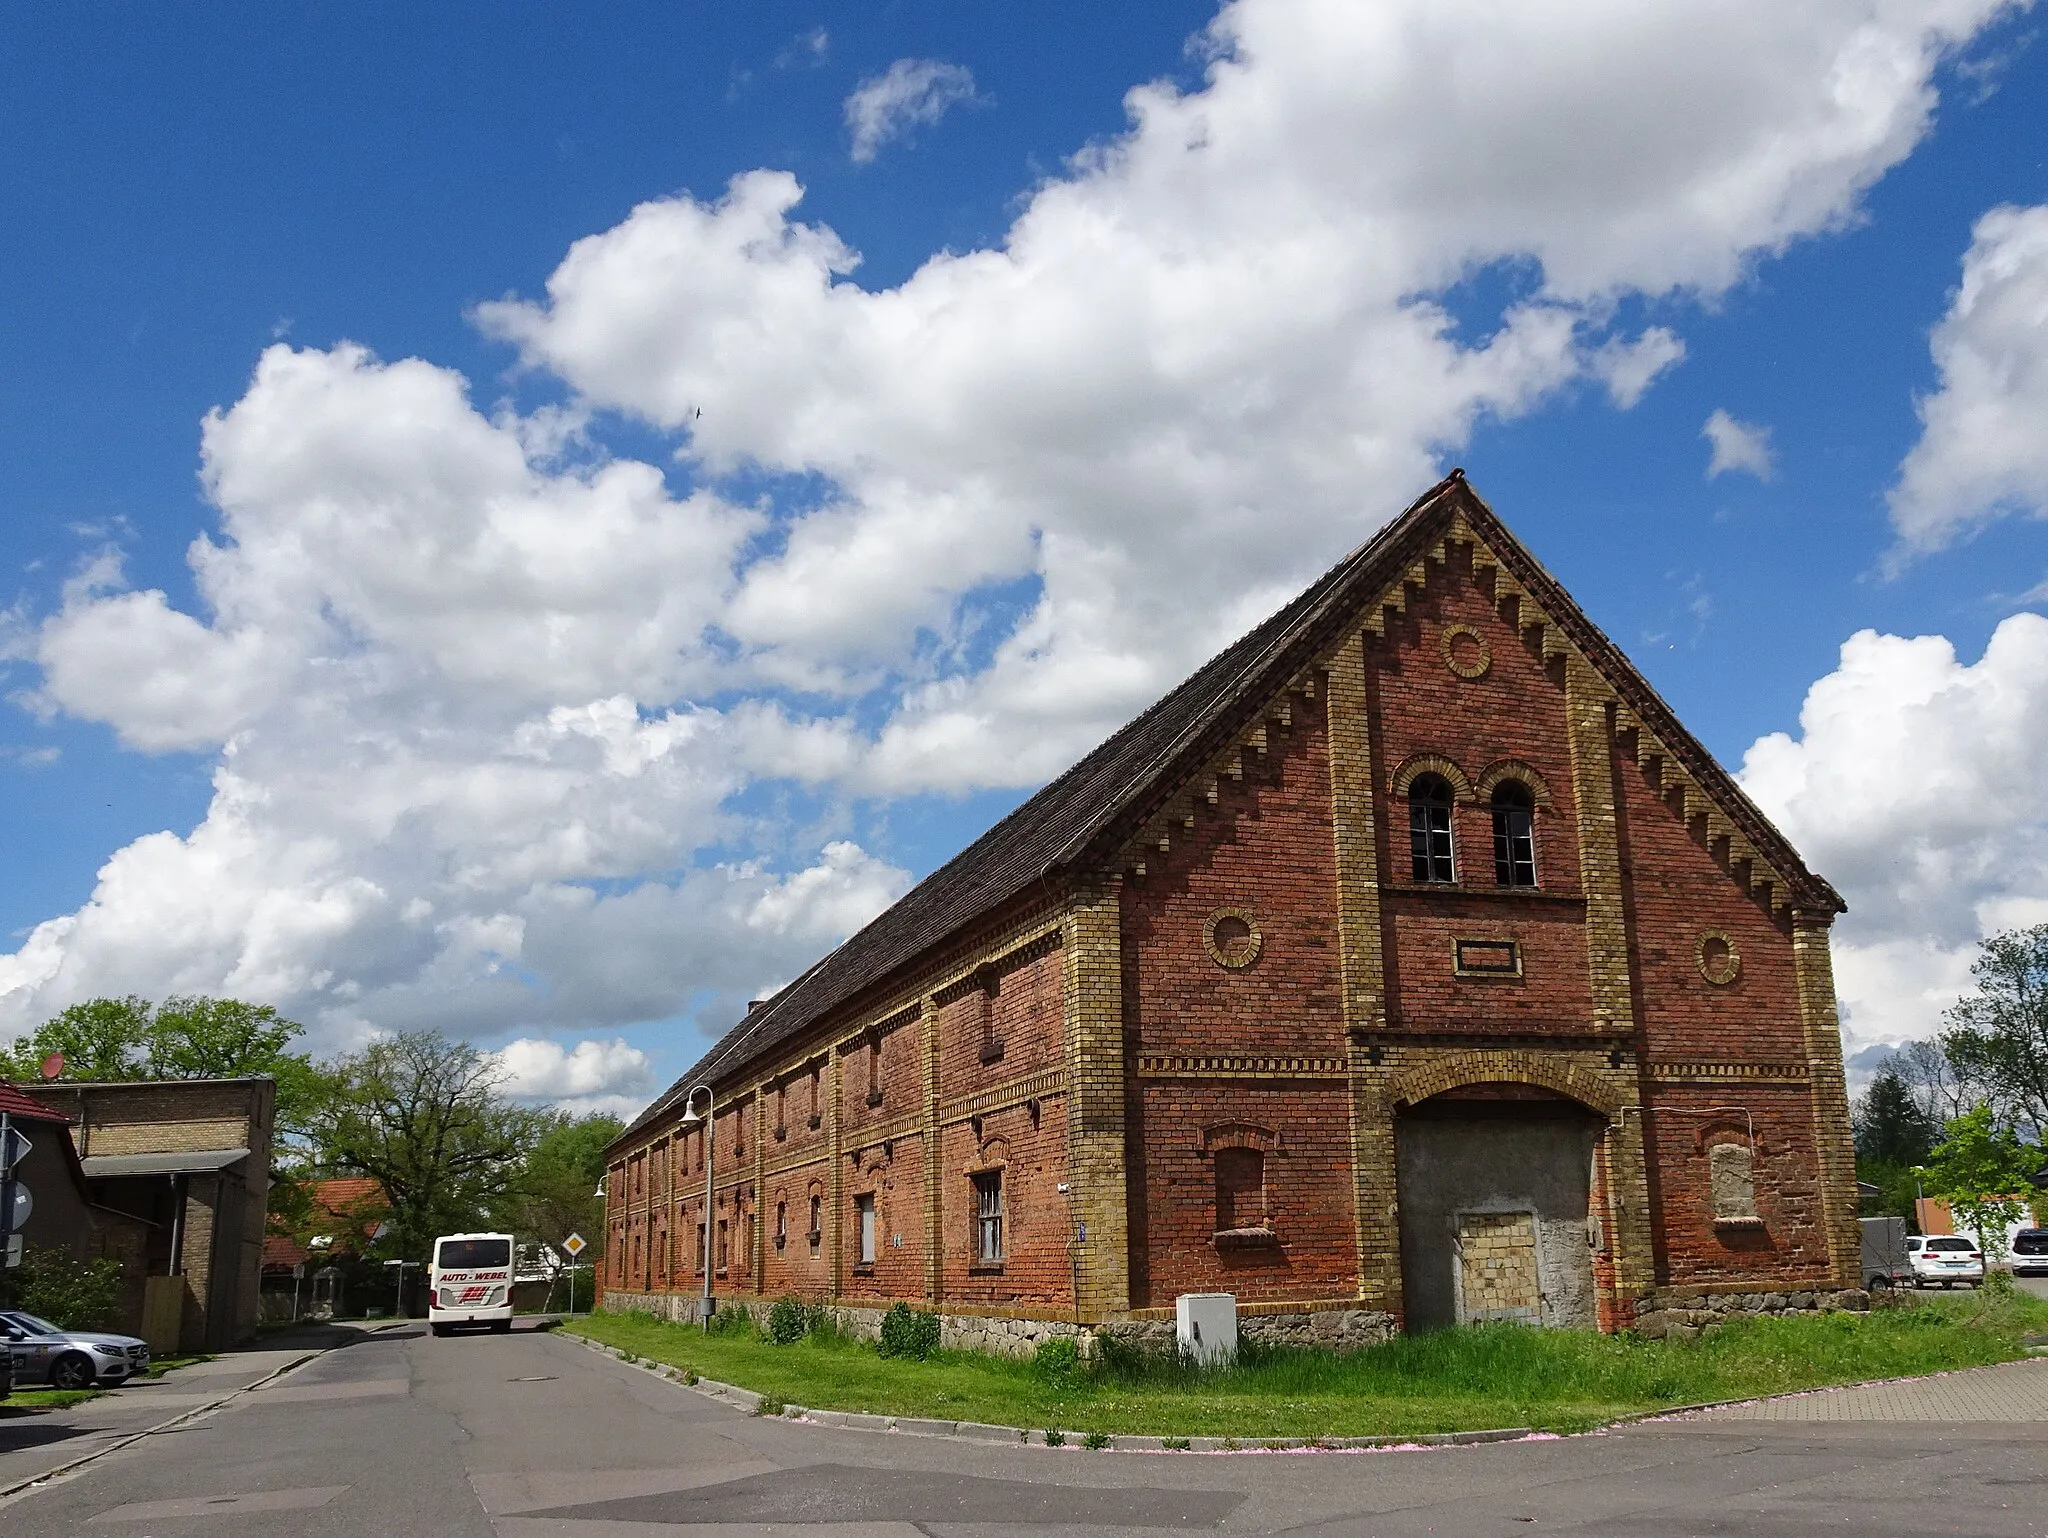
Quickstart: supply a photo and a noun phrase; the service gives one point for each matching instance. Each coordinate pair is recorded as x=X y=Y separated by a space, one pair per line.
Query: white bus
x=470 y=1282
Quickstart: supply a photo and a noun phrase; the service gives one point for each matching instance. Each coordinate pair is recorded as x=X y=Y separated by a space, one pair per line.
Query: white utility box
x=1205 y=1326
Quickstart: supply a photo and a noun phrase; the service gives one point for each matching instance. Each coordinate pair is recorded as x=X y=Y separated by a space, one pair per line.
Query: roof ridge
x=1208 y=692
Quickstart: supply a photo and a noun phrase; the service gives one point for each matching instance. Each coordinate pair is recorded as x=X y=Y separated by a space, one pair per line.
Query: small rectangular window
x=865 y=1206
x=988 y=1217
x=1240 y=1190
x=817 y=1222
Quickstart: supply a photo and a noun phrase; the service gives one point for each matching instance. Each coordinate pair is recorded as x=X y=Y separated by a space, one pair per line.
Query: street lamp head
x=691 y=1115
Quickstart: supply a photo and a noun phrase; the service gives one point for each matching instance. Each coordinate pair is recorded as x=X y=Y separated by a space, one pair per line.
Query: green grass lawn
x=1453 y=1380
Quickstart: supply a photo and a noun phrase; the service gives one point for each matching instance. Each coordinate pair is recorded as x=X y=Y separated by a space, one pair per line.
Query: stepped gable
x=1077 y=823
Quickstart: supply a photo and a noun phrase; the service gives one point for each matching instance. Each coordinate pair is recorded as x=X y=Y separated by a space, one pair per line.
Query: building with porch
x=1409 y=964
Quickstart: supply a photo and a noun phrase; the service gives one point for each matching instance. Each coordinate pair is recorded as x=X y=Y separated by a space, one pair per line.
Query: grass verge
x=64 y=1398
x=1453 y=1380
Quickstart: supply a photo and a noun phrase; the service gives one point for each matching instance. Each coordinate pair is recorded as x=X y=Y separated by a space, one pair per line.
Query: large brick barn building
x=1408 y=964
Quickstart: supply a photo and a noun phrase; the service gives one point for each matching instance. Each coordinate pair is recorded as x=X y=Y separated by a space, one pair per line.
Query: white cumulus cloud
x=1737 y=445
x=533 y=740
x=1911 y=785
x=909 y=94
x=1983 y=451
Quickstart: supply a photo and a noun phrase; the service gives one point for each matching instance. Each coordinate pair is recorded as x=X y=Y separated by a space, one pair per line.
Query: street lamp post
x=691 y=1118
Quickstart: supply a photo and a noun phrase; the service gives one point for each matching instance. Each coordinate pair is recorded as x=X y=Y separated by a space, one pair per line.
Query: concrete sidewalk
x=35 y=1442
x=2015 y=1391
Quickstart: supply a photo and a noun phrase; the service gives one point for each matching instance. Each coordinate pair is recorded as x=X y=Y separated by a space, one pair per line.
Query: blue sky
x=857 y=628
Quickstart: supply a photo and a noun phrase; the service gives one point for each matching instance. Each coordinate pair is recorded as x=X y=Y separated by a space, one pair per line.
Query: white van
x=470 y=1282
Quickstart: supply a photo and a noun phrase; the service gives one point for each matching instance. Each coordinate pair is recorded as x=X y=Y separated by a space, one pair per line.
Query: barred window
x=1514 y=835
x=1429 y=828
x=988 y=1219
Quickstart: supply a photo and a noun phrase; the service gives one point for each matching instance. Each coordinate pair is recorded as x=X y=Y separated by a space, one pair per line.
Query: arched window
x=1429 y=828
x=1514 y=834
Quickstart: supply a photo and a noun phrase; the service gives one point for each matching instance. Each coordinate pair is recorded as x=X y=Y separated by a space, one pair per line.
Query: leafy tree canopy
x=1983 y=1171
x=556 y=1192
x=1891 y=1128
x=423 y=1116
x=1999 y=1037
x=191 y=1037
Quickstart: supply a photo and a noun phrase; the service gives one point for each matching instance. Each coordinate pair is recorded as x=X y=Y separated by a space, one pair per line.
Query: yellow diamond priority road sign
x=575 y=1244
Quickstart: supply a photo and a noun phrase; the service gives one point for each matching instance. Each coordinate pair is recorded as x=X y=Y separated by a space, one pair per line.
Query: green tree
x=555 y=1194
x=72 y=1294
x=1890 y=1126
x=102 y=1040
x=1982 y=1170
x=1999 y=1036
x=194 y=1037
x=423 y=1116
x=1893 y=1134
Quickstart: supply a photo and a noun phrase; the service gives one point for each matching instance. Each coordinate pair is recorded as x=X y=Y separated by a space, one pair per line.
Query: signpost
x=575 y=1244
x=14 y=1198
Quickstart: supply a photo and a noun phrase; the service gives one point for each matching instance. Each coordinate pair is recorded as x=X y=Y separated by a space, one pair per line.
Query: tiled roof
x=1082 y=817
x=344 y=1205
x=16 y=1103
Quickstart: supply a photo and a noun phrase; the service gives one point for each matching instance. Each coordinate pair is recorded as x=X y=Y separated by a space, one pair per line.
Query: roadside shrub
x=1095 y=1441
x=1175 y=1444
x=769 y=1405
x=1055 y=1439
x=736 y=1322
x=1997 y=1287
x=908 y=1332
x=72 y=1294
x=787 y=1322
x=1058 y=1362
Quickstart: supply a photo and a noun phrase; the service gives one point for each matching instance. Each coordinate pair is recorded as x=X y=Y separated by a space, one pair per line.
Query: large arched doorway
x=1495 y=1185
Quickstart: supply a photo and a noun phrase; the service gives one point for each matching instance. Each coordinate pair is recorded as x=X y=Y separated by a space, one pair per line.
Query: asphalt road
x=528 y=1435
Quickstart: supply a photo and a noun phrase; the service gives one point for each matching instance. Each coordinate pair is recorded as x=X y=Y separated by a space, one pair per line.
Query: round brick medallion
x=1718 y=959
x=1465 y=651
x=1231 y=936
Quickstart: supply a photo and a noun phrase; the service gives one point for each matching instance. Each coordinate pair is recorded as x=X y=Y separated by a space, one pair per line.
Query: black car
x=2029 y=1251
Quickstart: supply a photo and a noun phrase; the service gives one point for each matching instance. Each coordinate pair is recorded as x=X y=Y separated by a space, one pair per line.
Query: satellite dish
x=53 y=1065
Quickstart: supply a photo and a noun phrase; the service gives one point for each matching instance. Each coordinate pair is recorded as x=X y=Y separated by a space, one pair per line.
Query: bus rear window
x=472 y=1254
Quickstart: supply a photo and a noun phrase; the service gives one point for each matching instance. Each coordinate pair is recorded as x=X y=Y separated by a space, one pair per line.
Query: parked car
x=6 y=1372
x=1942 y=1260
x=42 y=1353
x=2030 y=1251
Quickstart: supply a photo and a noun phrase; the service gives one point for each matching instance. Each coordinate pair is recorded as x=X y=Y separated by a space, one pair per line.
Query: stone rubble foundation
x=1674 y=1313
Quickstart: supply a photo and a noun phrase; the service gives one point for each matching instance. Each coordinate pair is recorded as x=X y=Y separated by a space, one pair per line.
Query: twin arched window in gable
x=1431 y=848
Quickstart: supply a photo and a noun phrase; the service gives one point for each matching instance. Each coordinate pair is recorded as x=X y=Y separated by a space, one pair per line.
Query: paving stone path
x=2016 y=1391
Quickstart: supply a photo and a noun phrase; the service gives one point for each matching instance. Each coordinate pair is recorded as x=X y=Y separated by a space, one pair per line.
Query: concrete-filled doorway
x=1495 y=1183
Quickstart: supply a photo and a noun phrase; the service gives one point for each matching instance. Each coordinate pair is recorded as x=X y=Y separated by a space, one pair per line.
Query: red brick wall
x=1036 y=1266
x=1678 y=892
x=893 y=1173
x=1308 y=1193
x=1267 y=847
x=795 y=1267
x=1516 y=711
